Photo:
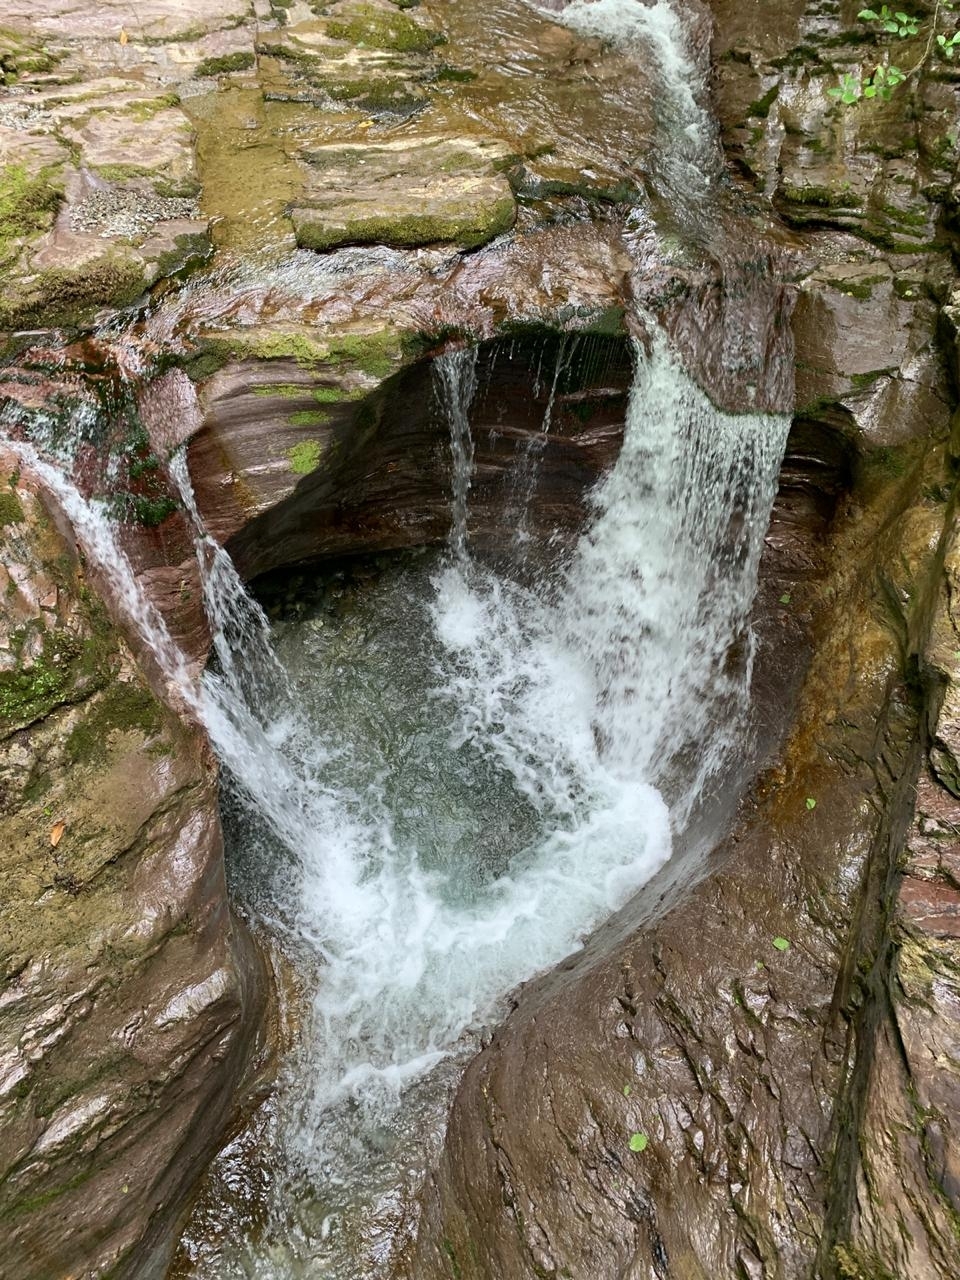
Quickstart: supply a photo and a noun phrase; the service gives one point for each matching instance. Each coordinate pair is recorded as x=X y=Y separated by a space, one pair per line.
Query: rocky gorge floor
x=246 y=228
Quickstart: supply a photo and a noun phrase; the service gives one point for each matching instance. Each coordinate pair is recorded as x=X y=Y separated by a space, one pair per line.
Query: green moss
x=69 y=294
x=854 y=1264
x=240 y=61
x=610 y=322
x=30 y=1204
x=279 y=390
x=822 y=197
x=376 y=94
x=123 y=707
x=20 y=56
x=27 y=205
x=918 y=217
x=150 y=511
x=761 y=108
x=862 y=381
x=150 y=107
x=304 y=457
x=376 y=354
x=335 y=395
x=449 y=1250
x=25 y=695
x=290 y=346
x=454 y=75
x=189 y=250
x=309 y=418
x=374 y=29
x=11 y=512
x=860 y=288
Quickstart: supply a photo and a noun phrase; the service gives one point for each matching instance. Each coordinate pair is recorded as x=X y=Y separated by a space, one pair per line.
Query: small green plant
x=848 y=90
x=886 y=76
x=810 y=802
x=785 y=598
x=898 y=23
x=639 y=1142
x=883 y=81
x=782 y=944
x=627 y=1091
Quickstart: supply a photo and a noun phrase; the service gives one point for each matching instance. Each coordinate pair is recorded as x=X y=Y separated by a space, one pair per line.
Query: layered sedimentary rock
x=129 y=996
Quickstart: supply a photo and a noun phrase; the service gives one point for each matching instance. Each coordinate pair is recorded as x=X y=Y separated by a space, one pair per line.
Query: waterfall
x=581 y=703
x=688 y=155
x=579 y=707
x=527 y=470
x=455 y=379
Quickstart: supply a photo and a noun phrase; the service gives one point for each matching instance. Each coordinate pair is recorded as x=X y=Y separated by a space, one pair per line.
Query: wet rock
x=130 y=997
x=438 y=189
x=102 y=145
x=723 y=1015
x=866 y=341
x=907 y=1178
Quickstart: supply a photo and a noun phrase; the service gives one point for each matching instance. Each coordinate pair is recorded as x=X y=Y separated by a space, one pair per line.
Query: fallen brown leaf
x=56 y=835
x=124 y=38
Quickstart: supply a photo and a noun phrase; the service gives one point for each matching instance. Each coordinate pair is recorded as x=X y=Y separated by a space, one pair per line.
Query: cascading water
x=563 y=707
x=455 y=376
x=534 y=726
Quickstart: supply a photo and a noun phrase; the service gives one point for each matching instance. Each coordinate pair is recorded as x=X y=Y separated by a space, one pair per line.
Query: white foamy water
x=688 y=152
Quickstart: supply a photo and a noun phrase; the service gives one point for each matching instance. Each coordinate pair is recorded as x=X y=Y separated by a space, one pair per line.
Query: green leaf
x=810 y=802
x=781 y=944
x=868 y=15
x=785 y=598
x=638 y=1142
x=870 y=91
x=627 y=1091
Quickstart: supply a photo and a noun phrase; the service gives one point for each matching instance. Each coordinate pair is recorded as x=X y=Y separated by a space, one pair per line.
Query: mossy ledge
x=470 y=227
x=375 y=29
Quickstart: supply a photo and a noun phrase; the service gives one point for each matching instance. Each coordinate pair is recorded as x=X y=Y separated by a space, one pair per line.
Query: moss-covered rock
x=242 y=60
x=123 y=1028
x=381 y=27
x=304 y=457
x=69 y=294
x=28 y=202
x=435 y=190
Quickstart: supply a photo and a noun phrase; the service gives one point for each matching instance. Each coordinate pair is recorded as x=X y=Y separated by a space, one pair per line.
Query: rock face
x=905 y=1184
x=129 y=996
x=740 y=1063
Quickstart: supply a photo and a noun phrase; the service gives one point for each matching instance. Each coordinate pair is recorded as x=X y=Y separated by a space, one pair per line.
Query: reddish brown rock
x=130 y=995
